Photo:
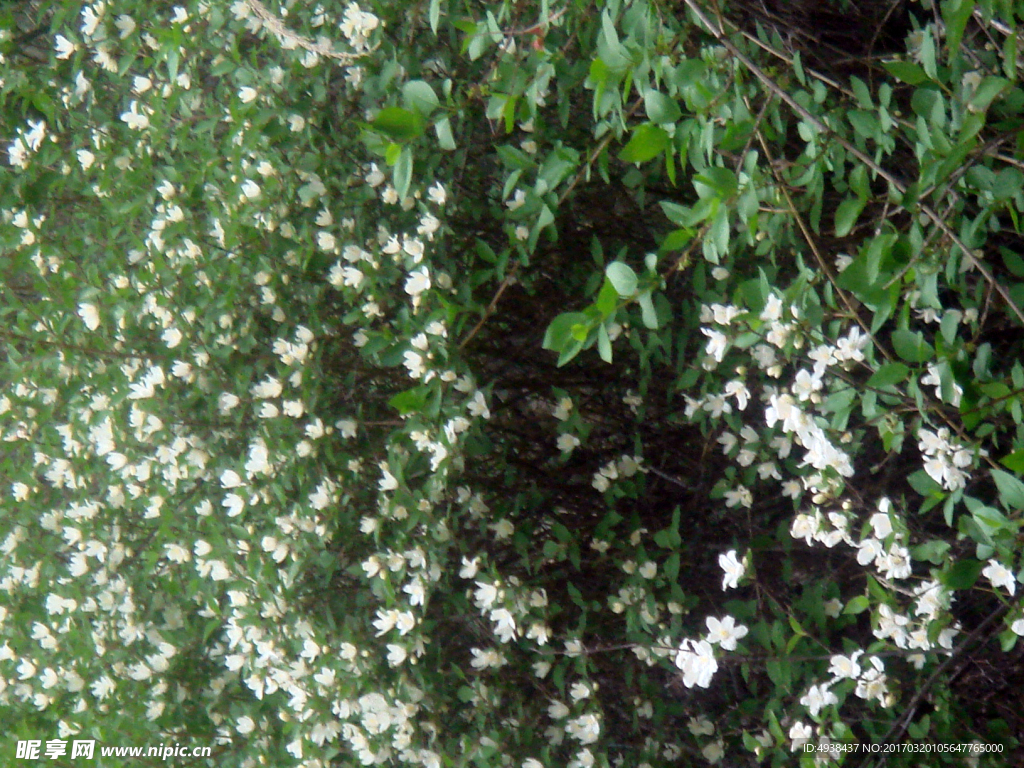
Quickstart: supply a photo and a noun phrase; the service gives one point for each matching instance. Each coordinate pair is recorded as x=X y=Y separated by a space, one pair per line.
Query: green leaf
x=715 y=182
x=955 y=14
x=660 y=108
x=647 y=313
x=419 y=96
x=1014 y=462
x=1011 y=490
x=990 y=88
x=846 y=215
x=889 y=374
x=622 y=277
x=173 y=59
x=911 y=346
x=909 y=73
x=922 y=482
x=443 y=129
x=647 y=142
x=410 y=401
x=569 y=351
x=962 y=575
x=559 y=332
x=672 y=567
x=403 y=172
x=398 y=124
x=933 y=551
x=859 y=604
x=607 y=299
x=720 y=231
x=434 y=15
x=604 y=344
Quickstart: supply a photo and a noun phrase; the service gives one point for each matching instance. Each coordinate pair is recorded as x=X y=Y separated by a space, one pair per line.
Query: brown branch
x=492 y=306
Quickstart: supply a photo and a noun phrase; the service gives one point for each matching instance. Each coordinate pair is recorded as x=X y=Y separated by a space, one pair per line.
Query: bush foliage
x=522 y=383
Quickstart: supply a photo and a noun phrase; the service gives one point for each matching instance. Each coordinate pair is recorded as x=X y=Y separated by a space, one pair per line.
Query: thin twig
x=277 y=28
x=492 y=306
x=595 y=153
x=809 y=238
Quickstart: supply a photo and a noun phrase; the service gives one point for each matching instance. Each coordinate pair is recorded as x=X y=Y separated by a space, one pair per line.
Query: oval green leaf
x=622 y=277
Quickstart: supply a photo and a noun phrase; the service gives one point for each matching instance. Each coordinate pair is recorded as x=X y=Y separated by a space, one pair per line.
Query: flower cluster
x=696 y=659
x=945 y=460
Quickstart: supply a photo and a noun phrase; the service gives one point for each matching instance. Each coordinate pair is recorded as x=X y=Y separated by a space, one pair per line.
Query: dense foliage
x=521 y=383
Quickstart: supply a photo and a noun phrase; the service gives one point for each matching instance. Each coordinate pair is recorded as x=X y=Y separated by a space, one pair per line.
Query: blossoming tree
x=516 y=384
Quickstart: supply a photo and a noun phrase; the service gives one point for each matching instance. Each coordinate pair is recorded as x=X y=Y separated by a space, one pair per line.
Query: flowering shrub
x=597 y=384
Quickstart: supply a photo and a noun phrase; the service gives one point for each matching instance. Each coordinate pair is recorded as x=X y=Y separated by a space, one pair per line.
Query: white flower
x=738 y=390
x=134 y=119
x=649 y=569
x=503 y=529
x=817 y=698
x=65 y=47
x=418 y=282
x=869 y=551
x=718 y=342
x=1000 y=576
x=478 y=406
x=436 y=194
x=86 y=158
x=1018 y=627
x=697 y=661
x=567 y=442
x=517 y=201
x=882 y=525
x=250 y=189
x=486 y=658
x=90 y=316
x=388 y=482
x=700 y=726
x=725 y=632
x=34 y=138
x=172 y=337
x=734 y=569
x=234 y=504
x=845 y=666
x=805 y=385
x=558 y=710
x=504 y=624
x=586 y=729
x=247 y=94
x=772 y=309
x=125 y=25
x=469 y=567
x=851 y=346
x=485 y=595
x=800 y=734
x=414 y=362
x=714 y=751
x=739 y=496
x=396 y=654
